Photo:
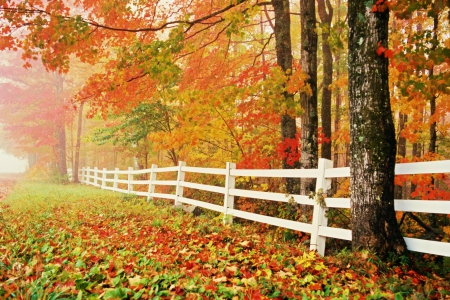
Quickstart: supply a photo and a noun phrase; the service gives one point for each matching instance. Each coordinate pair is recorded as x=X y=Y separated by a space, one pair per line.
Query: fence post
x=320 y=209
x=228 y=200
x=88 y=175
x=69 y=174
x=151 y=185
x=104 y=178
x=116 y=177
x=130 y=178
x=82 y=174
x=180 y=178
x=95 y=176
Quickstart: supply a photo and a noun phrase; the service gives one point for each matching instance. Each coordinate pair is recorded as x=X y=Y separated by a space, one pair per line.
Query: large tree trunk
x=284 y=60
x=78 y=144
x=309 y=123
x=373 y=144
x=327 y=56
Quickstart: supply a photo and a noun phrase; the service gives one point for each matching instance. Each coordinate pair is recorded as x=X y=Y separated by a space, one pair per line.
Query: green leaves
x=117 y=293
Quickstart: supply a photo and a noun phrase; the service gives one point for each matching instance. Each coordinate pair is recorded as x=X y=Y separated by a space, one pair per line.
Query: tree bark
x=61 y=128
x=433 y=133
x=327 y=56
x=78 y=145
x=283 y=48
x=309 y=120
x=401 y=151
x=372 y=133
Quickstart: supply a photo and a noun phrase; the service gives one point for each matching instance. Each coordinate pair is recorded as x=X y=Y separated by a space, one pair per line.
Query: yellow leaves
x=447 y=43
x=296 y=83
x=340 y=82
x=231 y=269
x=249 y=282
x=319 y=266
x=446 y=230
x=220 y=279
x=245 y=243
x=283 y=274
x=134 y=281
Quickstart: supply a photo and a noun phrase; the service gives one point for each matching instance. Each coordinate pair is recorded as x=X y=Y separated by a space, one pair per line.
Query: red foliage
x=289 y=149
x=428 y=186
x=381 y=6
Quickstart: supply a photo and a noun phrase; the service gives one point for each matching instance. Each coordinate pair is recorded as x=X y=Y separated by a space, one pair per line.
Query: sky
x=11 y=164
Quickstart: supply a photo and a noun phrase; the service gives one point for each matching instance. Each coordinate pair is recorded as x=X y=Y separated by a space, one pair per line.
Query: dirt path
x=7 y=182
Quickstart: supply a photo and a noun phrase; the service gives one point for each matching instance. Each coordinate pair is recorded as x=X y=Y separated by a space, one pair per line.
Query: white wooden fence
x=324 y=173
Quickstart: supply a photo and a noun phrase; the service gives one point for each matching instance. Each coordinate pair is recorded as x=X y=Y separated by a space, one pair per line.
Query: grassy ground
x=78 y=242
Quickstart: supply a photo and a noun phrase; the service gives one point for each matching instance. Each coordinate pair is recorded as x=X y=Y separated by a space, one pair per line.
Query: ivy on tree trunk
x=372 y=133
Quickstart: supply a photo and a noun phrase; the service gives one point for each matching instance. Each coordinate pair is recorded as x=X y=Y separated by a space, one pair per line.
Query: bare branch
x=264 y=47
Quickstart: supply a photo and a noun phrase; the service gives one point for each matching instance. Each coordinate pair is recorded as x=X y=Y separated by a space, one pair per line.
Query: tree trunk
x=78 y=144
x=325 y=18
x=372 y=133
x=309 y=123
x=284 y=60
x=32 y=159
x=337 y=113
x=433 y=134
x=401 y=151
x=61 y=128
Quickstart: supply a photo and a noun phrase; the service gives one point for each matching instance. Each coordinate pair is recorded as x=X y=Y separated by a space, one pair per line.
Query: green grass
x=78 y=242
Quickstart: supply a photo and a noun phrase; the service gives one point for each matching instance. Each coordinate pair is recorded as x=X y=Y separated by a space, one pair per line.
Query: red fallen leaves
x=6 y=186
x=198 y=259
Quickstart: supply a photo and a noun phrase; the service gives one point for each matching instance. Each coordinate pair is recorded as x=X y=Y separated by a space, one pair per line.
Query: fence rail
x=323 y=174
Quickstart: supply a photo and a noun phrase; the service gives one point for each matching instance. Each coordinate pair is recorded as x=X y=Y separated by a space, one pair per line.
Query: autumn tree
x=135 y=127
x=373 y=143
x=40 y=112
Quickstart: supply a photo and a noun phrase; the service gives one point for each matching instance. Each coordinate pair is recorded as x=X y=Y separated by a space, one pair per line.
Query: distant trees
x=35 y=112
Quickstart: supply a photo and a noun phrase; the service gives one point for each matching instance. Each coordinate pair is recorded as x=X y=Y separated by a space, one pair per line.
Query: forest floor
x=78 y=242
x=7 y=182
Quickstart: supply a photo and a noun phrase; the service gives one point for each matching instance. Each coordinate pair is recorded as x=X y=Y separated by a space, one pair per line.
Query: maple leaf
x=220 y=279
x=380 y=50
x=388 y=53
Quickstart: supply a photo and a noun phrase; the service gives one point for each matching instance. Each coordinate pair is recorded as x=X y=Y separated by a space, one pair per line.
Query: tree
x=78 y=144
x=326 y=17
x=284 y=60
x=40 y=112
x=135 y=127
x=373 y=143
x=308 y=101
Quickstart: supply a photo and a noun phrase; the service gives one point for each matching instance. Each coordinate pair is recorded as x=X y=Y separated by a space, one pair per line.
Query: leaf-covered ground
x=77 y=242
